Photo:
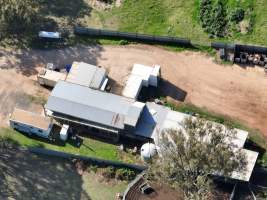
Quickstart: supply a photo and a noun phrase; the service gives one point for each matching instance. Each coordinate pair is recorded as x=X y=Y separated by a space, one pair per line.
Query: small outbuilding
x=38 y=125
x=140 y=76
x=30 y=123
x=86 y=75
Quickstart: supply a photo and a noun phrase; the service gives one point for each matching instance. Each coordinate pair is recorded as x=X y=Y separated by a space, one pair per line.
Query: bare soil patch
x=17 y=90
x=230 y=90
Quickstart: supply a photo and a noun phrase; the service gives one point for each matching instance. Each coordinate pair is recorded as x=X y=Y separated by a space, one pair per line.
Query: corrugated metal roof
x=151 y=120
x=87 y=75
x=132 y=87
x=155 y=118
x=245 y=173
x=141 y=75
x=31 y=119
x=134 y=113
x=88 y=104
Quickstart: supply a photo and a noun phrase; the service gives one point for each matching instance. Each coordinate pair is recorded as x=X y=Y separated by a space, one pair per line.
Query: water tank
x=148 y=151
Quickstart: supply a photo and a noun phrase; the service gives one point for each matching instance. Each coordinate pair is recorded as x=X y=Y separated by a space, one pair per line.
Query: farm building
x=31 y=123
x=86 y=75
x=157 y=118
x=141 y=76
x=80 y=73
x=108 y=115
x=35 y=124
x=82 y=105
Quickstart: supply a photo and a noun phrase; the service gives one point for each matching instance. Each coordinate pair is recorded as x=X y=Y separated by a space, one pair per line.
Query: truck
x=34 y=124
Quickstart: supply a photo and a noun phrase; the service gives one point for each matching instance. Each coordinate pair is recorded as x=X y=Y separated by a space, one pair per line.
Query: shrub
x=216 y=19
x=237 y=15
x=205 y=13
x=93 y=168
x=125 y=174
x=108 y=172
x=123 y=42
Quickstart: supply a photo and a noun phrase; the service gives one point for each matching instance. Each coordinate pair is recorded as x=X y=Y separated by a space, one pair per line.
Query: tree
x=189 y=156
x=219 y=19
x=17 y=14
x=205 y=10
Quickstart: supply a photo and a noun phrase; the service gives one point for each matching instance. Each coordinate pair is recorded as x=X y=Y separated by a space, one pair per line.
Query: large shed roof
x=87 y=75
x=91 y=105
x=156 y=118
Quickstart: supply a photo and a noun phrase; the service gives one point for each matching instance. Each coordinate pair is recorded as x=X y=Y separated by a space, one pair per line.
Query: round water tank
x=148 y=151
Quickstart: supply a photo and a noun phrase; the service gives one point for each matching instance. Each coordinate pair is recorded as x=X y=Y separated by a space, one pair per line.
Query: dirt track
x=230 y=90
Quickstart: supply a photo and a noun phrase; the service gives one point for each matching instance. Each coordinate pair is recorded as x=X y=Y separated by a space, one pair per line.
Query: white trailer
x=47 y=77
x=35 y=124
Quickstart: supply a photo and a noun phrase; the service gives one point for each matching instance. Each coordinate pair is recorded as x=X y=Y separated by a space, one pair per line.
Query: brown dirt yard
x=235 y=91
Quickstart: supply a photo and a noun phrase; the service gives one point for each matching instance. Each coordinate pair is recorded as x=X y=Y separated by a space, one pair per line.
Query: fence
x=131 y=186
x=145 y=38
x=94 y=161
x=220 y=45
x=132 y=36
x=237 y=48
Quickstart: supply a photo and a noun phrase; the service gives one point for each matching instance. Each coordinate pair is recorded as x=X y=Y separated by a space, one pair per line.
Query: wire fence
x=94 y=161
x=132 y=36
x=143 y=38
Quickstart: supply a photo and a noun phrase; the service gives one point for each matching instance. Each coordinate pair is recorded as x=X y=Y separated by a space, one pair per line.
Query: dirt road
x=229 y=90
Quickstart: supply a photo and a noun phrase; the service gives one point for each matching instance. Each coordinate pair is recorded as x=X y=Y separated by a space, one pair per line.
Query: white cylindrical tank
x=148 y=151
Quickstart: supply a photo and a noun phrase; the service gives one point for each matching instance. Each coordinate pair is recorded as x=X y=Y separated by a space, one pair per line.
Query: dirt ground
x=193 y=77
x=17 y=90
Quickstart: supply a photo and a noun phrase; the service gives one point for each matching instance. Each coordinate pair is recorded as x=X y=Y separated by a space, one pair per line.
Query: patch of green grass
x=41 y=100
x=90 y=147
x=254 y=135
x=159 y=17
x=99 y=189
x=180 y=18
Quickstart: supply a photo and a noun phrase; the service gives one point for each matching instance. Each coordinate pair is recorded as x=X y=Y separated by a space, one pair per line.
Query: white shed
x=140 y=76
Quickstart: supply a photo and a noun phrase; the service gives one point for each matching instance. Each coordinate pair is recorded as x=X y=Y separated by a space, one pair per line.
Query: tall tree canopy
x=17 y=13
x=190 y=155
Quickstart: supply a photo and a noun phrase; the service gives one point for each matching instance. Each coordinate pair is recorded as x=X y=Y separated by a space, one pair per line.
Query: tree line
x=17 y=14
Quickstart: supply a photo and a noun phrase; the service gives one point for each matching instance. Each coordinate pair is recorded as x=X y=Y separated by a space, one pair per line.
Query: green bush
x=123 y=42
x=205 y=13
x=109 y=172
x=219 y=22
x=125 y=174
x=237 y=15
x=216 y=19
x=93 y=168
